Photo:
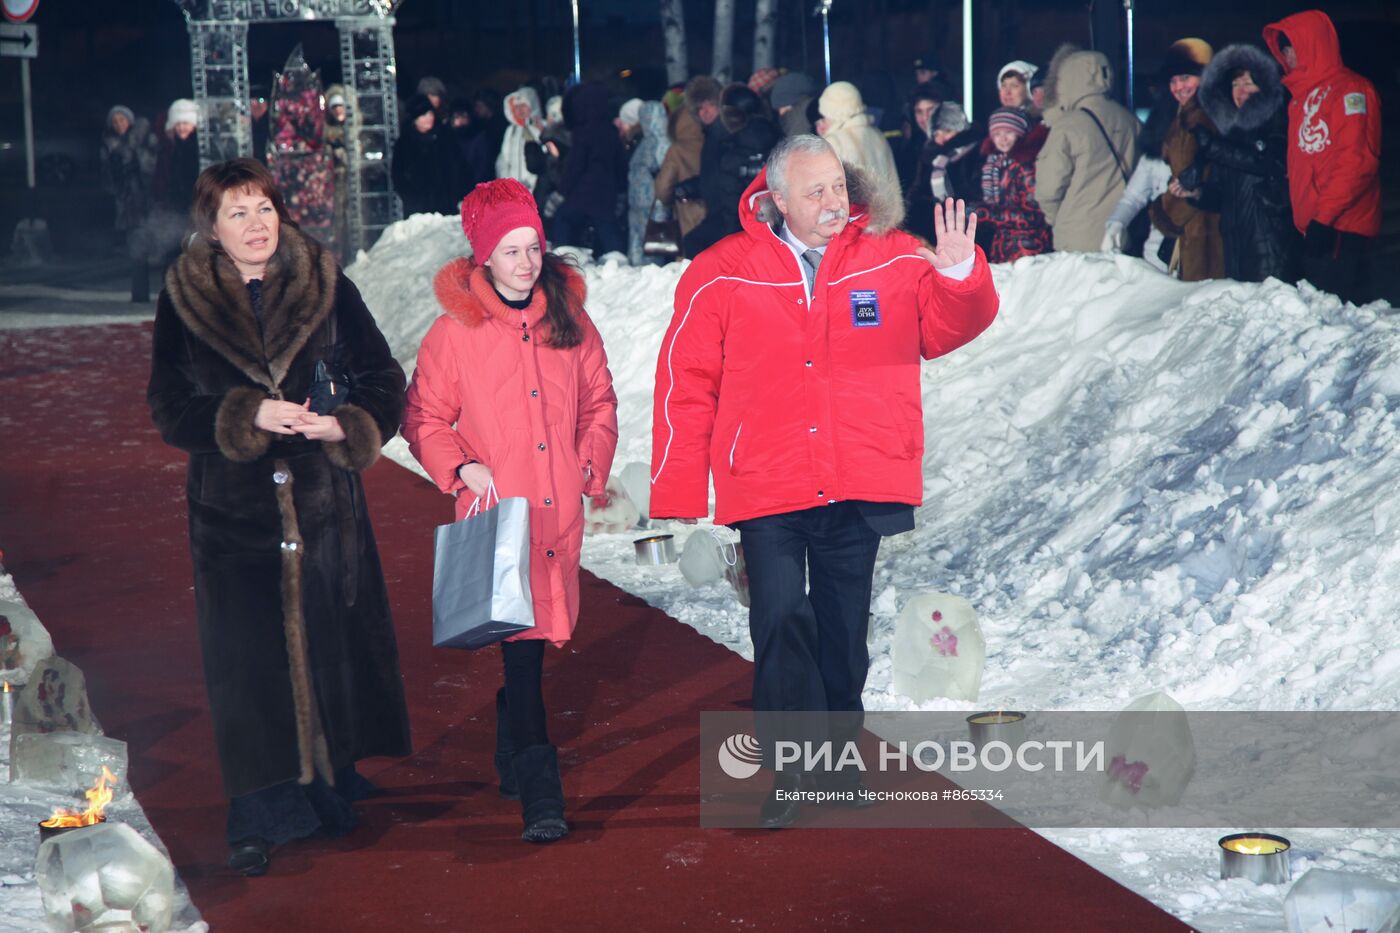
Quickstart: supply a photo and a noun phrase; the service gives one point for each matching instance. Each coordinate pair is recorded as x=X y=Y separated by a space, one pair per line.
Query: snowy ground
x=1140 y=484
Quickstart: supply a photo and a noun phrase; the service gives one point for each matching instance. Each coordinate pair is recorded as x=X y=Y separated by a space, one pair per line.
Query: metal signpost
x=22 y=41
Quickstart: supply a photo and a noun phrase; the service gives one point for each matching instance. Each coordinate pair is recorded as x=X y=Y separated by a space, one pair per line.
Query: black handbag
x=662 y=237
x=330 y=386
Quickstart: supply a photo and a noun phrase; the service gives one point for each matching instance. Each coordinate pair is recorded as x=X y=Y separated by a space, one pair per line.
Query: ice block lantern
x=1151 y=754
x=1325 y=901
x=1258 y=857
x=938 y=649
x=105 y=877
x=64 y=762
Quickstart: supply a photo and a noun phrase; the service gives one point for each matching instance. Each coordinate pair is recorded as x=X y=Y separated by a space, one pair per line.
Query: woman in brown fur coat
x=267 y=368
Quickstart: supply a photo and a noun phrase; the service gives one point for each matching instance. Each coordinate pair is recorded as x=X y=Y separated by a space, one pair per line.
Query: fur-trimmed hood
x=875 y=207
x=1216 y=92
x=468 y=297
x=212 y=300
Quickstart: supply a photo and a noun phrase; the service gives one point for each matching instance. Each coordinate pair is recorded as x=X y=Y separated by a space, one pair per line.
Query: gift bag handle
x=477 y=504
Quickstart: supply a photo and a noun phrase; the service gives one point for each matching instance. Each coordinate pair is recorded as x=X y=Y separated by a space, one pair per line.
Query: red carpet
x=92 y=521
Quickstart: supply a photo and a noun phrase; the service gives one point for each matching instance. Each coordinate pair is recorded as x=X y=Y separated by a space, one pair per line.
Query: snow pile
x=1140 y=484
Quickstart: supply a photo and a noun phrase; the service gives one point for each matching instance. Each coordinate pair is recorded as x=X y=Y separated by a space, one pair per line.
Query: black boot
x=250 y=857
x=505 y=750
x=541 y=793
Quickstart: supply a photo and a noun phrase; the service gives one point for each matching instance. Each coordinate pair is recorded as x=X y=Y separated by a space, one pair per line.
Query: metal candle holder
x=1006 y=726
x=1258 y=857
x=655 y=550
x=48 y=832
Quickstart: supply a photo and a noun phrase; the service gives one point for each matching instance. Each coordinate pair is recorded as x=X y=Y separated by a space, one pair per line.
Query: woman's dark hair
x=233 y=175
x=1159 y=121
x=562 y=307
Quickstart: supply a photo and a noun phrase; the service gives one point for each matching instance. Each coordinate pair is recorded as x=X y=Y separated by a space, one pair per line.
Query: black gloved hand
x=1190 y=178
x=1320 y=240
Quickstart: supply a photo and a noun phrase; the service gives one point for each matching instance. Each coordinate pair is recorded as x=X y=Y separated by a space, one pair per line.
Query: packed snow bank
x=1140 y=484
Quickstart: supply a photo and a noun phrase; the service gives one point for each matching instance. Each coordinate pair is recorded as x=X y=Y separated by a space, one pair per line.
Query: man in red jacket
x=790 y=373
x=1334 y=153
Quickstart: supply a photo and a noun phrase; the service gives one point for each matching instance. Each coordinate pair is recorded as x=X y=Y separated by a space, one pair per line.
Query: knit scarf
x=992 y=171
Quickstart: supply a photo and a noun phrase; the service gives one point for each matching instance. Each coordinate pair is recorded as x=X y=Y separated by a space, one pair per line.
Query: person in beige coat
x=682 y=161
x=1090 y=153
x=851 y=131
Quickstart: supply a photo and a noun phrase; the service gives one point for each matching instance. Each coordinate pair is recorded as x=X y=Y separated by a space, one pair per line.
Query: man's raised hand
x=955 y=229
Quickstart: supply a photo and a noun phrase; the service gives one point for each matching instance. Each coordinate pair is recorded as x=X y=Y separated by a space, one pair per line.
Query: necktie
x=810 y=260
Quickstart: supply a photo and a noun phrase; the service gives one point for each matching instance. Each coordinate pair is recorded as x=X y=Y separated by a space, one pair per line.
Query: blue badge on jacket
x=865 y=309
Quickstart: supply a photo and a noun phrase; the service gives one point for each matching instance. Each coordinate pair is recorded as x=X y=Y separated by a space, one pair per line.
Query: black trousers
x=1343 y=270
x=810 y=577
x=524 y=666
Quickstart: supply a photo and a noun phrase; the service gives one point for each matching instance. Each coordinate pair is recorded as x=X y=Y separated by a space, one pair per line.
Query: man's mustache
x=828 y=217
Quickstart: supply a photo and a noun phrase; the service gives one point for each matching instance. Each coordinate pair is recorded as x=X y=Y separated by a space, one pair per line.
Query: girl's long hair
x=562 y=307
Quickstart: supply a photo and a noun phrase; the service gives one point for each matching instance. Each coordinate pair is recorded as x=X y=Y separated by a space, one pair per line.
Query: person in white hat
x=1014 y=84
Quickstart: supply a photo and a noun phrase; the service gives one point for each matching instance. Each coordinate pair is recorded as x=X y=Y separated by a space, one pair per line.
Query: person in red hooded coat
x=1334 y=154
x=790 y=373
x=512 y=392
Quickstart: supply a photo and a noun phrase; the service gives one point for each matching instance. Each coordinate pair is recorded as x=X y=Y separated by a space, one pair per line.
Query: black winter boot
x=541 y=793
x=505 y=750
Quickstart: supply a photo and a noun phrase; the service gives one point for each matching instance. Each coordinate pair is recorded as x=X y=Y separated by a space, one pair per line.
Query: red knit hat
x=494 y=208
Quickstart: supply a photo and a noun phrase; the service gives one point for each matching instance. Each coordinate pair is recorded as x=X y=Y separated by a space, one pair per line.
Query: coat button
x=541 y=447
x=548 y=553
x=534 y=393
x=549 y=502
x=525 y=337
x=280 y=477
x=820 y=493
x=812 y=429
x=808 y=364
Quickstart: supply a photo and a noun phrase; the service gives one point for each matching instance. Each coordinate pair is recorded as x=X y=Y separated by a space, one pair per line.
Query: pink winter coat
x=544 y=420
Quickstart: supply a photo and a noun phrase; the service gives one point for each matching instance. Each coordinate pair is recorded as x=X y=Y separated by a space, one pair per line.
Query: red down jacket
x=1334 y=130
x=791 y=406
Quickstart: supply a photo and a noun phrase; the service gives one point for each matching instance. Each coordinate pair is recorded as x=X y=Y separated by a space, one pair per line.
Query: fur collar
x=211 y=299
x=469 y=298
x=1216 y=93
x=1026 y=148
x=881 y=202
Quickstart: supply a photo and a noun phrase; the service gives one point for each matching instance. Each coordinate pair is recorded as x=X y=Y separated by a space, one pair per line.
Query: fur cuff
x=362 y=441
x=234 y=431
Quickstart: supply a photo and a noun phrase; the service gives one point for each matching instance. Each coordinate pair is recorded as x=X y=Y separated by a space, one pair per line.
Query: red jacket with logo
x=1334 y=130
x=791 y=404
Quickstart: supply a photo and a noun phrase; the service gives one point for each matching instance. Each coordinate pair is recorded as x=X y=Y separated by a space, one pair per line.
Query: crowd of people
x=832 y=248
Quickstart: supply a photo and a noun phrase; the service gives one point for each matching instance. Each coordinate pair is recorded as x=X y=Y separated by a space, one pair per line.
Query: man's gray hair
x=787 y=147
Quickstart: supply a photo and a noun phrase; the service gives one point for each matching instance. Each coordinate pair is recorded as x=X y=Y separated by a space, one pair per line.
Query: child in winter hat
x=183 y=110
x=494 y=208
x=1005 y=127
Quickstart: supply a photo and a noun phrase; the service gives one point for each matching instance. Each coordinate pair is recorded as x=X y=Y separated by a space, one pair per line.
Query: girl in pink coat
x=513 y=388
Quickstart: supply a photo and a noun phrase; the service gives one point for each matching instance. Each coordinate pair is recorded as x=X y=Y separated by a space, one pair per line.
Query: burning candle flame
x=7 y=686
x=99 y=795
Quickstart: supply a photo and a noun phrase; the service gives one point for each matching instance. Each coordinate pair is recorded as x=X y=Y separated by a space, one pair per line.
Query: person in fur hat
x=790 y=373
x=1090 y=152
x=1246 y=164
x=515 y=347
x=1200 y=252
x=426 y=172
x=129 y=154
x=1008 y=185
x=299 y=654
x=851 y=131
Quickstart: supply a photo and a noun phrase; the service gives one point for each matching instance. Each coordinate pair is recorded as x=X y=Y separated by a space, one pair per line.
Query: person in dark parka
x=1247 y=159
x=594 y=175
x=734 y=153
x=426 y=173
x=300 y=659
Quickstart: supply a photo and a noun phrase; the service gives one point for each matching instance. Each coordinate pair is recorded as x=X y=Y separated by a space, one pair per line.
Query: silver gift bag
x=481 y=575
